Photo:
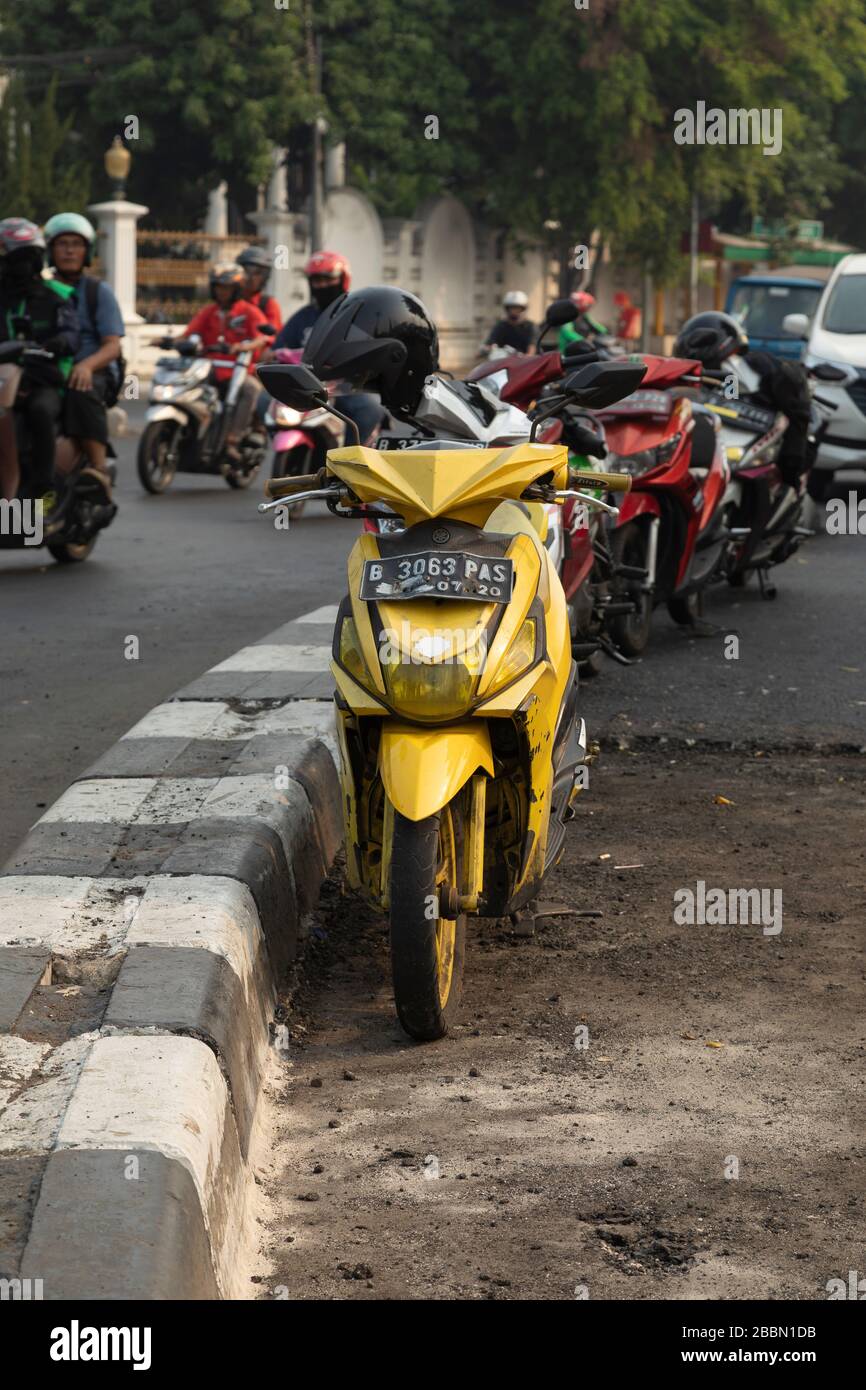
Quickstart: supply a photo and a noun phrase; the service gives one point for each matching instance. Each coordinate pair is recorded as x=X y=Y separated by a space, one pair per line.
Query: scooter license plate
x=439 y=574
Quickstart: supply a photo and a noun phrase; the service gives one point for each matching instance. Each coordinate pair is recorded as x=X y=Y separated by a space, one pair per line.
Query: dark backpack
x=113 y=380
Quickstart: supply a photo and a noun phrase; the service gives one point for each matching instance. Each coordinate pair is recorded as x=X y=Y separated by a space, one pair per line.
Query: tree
x=41 y=168
x=211 y=88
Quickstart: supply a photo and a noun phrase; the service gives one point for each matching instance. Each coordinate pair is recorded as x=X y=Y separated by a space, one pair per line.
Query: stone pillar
x=217 y=220
x=117 y=221
x=335 y=166
x=277 y=228
x=277 y=199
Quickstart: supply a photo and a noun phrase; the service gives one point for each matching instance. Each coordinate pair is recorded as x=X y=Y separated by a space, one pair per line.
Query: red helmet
x=331 y=264
x=583 y=299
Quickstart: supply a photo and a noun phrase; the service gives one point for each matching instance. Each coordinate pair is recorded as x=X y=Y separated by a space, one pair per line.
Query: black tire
x=591 y=667
x=630 y=632
x=685 y=610
x=427 y=952
x=821 y=485
x=66 y=554
x=154 y=472
x=239 y=478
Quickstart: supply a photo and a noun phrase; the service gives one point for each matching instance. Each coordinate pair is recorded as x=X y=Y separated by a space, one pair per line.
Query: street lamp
x=117 y=162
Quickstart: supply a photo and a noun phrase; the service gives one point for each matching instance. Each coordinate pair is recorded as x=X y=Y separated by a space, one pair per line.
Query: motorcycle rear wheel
x=67 y=554
x=427 y=951
x=155 y=472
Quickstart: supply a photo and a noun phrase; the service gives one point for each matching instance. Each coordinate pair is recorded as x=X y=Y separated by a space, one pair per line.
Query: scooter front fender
x=166 y=412
x=423 y=769
x=286 y=440
x=636 y=504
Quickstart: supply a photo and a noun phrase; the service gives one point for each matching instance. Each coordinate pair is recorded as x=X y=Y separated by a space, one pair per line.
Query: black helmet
x=351 y=338
x=711 y=338
x=22 y=249
x=254 y=258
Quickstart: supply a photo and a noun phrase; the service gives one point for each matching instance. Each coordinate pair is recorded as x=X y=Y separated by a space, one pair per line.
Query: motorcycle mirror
x=825 y=371
x=796 y=324
x=294 y=385
x=561 y=311
x=601 y=383
x=267 y=330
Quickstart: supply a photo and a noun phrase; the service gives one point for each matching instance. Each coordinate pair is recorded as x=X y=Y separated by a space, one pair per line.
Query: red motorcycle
x=671 y=539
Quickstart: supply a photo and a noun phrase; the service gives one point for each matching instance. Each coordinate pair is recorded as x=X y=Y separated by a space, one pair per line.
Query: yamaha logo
x=441 y=535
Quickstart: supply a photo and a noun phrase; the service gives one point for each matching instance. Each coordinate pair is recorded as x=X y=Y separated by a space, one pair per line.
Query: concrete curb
x=145 y=924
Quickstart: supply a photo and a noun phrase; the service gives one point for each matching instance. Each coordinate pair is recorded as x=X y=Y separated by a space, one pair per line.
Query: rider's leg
x=10 y=473
x=41 y=408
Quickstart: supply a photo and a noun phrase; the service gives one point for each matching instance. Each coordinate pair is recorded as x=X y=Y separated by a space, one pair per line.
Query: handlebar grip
x=284 y=487
x=614 y=482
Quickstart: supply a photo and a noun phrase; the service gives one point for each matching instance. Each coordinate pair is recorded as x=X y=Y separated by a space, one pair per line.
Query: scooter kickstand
x=768 y=589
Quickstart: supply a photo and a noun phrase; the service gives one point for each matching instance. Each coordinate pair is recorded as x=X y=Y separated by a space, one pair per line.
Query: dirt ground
x=511 y=1162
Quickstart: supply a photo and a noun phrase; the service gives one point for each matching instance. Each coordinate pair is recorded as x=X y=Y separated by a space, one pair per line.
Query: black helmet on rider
x=22 y=250
x=711 y=338
x=255 y=259
x=230 y=274
x=350 y=341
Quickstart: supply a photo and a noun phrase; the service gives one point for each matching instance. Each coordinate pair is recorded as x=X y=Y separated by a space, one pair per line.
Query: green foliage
x=549 y=117
x=41 y=168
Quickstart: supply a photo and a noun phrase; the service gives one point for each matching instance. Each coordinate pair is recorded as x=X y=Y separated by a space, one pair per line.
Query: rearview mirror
x=295 y=385
x=561 y=311
x=825 y=371
x=796 y=324
x=602 y=383
x=267 y=330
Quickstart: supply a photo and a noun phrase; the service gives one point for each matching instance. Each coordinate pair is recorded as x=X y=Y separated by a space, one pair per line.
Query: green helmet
x=74 y=225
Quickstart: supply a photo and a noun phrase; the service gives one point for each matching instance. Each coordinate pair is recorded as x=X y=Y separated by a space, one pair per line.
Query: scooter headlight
x=432 y=692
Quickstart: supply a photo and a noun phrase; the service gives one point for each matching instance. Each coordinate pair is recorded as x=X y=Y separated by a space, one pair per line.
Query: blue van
x=760 y=302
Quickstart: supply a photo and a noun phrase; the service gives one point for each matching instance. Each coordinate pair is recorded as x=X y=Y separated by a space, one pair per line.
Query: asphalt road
x=197 y=573
x=194 y=575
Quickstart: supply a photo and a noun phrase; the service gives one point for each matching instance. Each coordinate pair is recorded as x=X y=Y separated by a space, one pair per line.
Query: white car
x=837 y=335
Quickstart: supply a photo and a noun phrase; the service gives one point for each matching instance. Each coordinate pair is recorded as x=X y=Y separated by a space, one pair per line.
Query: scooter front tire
x=427 y=950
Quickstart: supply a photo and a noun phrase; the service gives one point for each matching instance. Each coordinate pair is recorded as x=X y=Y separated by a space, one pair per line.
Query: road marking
x=326 y=614
x=277 y=658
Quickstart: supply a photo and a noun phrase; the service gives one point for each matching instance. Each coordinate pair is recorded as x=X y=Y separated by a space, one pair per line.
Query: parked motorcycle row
x=494 y=563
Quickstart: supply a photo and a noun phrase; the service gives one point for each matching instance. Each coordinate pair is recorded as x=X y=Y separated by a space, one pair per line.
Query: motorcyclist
x=41 y=312
x=714 y=338
x=583 y=325
x=514 y=330
x=329 y=275
x=95 y=378
x=231 y=324
x=256 y=265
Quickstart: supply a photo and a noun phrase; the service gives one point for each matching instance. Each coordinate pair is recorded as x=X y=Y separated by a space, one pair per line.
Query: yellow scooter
x=456 y=692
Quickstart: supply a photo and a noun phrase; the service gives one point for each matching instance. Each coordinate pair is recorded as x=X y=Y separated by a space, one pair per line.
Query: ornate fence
x=172 y=271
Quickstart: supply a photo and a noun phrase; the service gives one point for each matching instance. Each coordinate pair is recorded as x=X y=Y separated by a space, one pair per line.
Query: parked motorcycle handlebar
x=614 y=482
x=285 y=487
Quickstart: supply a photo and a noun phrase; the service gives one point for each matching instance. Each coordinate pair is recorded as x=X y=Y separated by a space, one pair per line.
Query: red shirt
x=213 y=323
x=272 y=312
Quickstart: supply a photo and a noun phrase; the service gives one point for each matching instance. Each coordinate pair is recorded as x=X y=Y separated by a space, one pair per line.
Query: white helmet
x=515 y=299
